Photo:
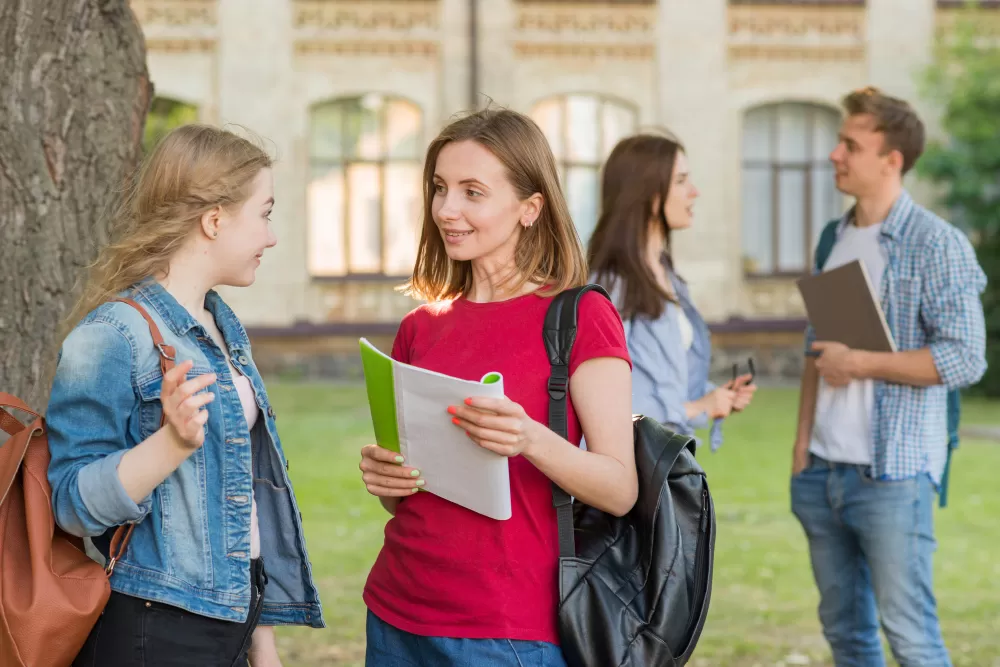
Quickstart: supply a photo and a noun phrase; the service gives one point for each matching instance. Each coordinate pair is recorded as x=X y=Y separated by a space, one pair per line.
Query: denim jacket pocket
x=150 y=408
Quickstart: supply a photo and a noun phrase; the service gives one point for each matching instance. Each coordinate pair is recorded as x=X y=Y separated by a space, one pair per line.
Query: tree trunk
x=74 y=92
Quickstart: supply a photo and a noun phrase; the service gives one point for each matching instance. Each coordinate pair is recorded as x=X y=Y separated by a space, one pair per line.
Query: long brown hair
x=636 y=178
x=192 y=170
x=548 y=253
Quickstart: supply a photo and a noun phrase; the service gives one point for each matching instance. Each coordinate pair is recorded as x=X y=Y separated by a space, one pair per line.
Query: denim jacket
x=191 y=544
x=665 y=375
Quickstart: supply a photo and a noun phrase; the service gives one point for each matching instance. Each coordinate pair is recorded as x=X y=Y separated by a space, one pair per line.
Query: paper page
x=454 y=467
x=878 y=305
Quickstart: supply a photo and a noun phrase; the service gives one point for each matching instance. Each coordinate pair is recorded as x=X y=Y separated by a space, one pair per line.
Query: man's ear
x=895 y=160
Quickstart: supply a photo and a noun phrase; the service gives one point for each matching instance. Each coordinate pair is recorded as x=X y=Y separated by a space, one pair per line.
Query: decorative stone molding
x=797 y=53
x=960 y=4
x=560 y=18
x=986 y=18
x=578 y=30
x=175 y=13
x=797 y=32
x=584 y=51
x=178 y=45
x=617 y=3
x=813 y=3
x=366 y=16
x=796 y=22
x=308 y=47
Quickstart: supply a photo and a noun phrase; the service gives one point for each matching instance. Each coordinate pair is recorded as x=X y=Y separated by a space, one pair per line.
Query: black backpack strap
x=559 y=334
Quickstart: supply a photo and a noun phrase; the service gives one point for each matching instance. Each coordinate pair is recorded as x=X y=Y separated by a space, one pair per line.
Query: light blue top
x=665 y=375
x=191 y=544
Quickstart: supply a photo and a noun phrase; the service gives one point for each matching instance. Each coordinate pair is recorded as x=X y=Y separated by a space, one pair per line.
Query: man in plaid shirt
x=872 y=435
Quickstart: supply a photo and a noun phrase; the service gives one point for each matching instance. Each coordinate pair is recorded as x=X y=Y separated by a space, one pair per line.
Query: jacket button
x=243 y=359
x=270 y=411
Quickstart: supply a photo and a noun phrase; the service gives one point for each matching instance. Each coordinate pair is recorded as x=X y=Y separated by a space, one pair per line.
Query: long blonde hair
x=548 y=253
x=192 y=170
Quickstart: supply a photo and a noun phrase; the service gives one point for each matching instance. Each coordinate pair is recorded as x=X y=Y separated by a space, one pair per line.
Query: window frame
x=565 y=164
x=777 y=167
x=344 y=163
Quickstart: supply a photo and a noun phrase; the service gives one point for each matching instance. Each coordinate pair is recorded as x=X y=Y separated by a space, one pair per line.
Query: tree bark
x=74 y=92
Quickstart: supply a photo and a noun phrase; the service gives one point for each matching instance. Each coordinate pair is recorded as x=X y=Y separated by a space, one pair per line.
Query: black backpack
x=634 y=591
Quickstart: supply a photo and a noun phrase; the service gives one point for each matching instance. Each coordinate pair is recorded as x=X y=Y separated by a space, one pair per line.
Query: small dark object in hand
x=736 y=371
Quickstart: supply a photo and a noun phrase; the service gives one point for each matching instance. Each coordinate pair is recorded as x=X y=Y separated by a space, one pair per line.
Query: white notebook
x=409 y=408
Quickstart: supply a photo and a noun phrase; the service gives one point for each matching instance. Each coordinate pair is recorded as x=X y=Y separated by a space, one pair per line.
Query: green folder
x=409 y=415
x=381 y=388
x=381 y=395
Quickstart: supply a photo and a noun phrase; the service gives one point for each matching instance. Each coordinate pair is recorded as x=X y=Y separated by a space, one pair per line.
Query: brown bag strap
x=13 y=451
x=7 y=421
x=168 y=359
x=168 y=356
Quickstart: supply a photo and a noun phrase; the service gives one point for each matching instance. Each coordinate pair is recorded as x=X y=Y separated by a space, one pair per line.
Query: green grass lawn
x=763 y=609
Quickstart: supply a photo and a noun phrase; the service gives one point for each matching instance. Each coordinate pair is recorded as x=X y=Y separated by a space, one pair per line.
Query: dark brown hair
x=548 y=253
x=637 y=177
x=894 y=118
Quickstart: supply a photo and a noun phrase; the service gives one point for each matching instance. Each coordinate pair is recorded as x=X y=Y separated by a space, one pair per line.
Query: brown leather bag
x=51 y=591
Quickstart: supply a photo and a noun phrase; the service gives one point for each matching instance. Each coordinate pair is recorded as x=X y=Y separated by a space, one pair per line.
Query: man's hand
x=837 y=363
x=800 y=459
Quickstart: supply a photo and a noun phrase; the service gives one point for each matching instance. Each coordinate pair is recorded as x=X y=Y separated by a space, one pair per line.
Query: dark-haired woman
x=646 y=195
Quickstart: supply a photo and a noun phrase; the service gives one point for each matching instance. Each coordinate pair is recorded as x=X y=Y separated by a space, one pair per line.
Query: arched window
x=788 y=185
x=582 y=130
x=164 y=115
x=364 y=186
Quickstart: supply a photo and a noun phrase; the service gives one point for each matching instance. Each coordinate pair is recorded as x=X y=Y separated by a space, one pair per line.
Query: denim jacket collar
x=180 y=321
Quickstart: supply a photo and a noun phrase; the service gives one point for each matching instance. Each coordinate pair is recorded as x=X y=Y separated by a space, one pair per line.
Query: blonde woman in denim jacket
x=192 y=457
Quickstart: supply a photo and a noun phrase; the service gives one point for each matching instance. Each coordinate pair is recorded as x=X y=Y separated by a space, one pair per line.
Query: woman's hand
x=384 y=474
x=744 y=392
x=718 y=403
x=183 y=405
x=497 y=424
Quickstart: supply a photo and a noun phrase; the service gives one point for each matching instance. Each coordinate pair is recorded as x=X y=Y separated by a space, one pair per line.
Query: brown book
x=843 y=306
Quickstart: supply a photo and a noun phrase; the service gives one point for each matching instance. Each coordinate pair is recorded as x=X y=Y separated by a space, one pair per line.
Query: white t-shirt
x=842 y=430
x=687 y=331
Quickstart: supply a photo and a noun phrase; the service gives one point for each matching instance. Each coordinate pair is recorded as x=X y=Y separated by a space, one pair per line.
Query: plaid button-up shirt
x=930 y=294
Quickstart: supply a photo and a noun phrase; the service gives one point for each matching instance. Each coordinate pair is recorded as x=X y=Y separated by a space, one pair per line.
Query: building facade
x=347 y=94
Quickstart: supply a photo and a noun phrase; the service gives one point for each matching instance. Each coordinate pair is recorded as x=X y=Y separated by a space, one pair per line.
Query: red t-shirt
x=445 y=571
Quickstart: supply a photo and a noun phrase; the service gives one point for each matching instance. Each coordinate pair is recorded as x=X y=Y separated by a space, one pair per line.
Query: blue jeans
x=871 y=544
x=391 y=647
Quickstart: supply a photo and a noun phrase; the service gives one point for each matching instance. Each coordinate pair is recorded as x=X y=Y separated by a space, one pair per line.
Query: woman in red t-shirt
x=452 y=587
